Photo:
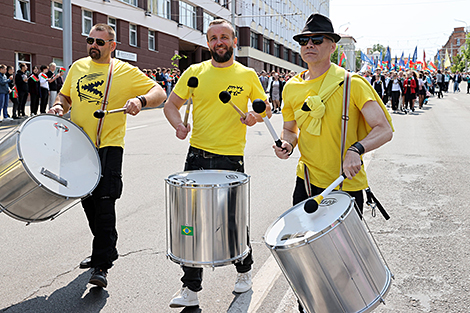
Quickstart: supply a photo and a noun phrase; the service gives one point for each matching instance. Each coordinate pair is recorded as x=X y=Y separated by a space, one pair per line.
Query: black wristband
x=143 y=101
x=359 y=147
x=58 y=103
x=290 y=153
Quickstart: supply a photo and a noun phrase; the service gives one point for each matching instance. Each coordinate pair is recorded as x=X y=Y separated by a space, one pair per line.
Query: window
x=23 y=58
x=133 y=35
x=187 y=14
x=266 y=46
x=56 y=15
x=161 y=8
x=276 y=50
x=87 y=22
x=254 y=40
x=458 y=41
x=113 y=23
x=286 y=54
x=207 y=19
x=152 y=45
x=22 y=10
x=132 y=2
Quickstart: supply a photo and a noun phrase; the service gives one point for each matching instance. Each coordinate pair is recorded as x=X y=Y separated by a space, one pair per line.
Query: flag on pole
x=432 y=65
x=415 y=54
x=401 y=63
x=62 y=69
x=447 y=60
x=43 y=75
x=34 y=77
x=342 y=60
x=424 y=60
x=14 y=92
x=438 y=59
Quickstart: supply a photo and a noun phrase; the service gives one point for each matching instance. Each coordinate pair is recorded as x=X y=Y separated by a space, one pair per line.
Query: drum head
x=59 y=155
x=207 y=178
x=295 y=225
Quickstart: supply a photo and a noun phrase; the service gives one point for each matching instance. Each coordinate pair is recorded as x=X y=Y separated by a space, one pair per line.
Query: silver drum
x=207 y=217
x=46 y=165
x=329 y=258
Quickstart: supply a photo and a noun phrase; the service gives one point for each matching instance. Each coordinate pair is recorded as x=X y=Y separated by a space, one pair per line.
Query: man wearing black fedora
x=313 y=119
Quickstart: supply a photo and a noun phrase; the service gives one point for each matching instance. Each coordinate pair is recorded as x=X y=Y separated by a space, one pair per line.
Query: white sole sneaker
x=184 y=297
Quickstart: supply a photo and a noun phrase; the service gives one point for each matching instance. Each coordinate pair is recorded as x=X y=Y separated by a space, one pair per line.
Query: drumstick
x=259 y=106
x=101 y=113
x=312 y=205
x=226 y=97
x=193 y=82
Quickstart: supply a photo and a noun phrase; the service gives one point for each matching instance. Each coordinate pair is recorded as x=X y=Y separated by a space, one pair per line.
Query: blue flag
x=415 y=55
x=438 y=59
x=402 y=60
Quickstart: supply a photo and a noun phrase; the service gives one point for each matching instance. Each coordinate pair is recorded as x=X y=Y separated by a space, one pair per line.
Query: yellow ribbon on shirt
x=312 y=118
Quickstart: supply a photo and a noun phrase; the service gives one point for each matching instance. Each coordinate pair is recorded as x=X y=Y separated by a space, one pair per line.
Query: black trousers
x=22 y=98
x=44 y=99
x=300 y=194
x=14 y=110
x=34 y=105
x=100 y=208
x=395 y=99
x=197 y=160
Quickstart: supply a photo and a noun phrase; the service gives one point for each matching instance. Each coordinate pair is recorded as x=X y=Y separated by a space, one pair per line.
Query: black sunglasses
x=316 y=40
x=99 y=42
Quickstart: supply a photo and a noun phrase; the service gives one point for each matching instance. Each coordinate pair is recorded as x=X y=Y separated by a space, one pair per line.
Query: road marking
x=137 y=127
x=263 y=282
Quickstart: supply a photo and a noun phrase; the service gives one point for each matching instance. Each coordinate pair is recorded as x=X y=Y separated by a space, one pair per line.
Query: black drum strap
x=373 y=203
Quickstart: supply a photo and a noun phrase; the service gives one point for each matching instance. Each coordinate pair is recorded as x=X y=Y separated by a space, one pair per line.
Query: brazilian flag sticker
x=187 y=230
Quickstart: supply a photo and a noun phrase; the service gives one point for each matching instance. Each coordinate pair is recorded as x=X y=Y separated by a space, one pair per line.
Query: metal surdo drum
x=47 y=164
x=329 y=258
x=207 y=217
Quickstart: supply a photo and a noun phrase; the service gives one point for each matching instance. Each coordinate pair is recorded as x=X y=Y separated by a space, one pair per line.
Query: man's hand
x=283 y=151
x=182 y=131
x=250 y=119
x=352 y=164
x=56 y=110
x=133 y=106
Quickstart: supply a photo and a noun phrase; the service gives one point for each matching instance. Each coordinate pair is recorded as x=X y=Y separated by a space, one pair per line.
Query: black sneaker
x=98 y=278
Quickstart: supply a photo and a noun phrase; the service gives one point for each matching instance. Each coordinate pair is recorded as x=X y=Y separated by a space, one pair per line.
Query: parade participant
x=313 y=104
x=219 y=134
x=395 y=88
x=84 y=89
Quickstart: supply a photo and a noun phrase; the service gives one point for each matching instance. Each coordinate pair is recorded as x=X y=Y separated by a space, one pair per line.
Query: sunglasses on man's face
x=316 y=40
x=100 y=42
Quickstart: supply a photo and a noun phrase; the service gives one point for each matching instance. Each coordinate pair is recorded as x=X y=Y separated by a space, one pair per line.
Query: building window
x=254 y=40
x=132 y=2
x=207 y=19
x=22 y=10
x=56 y=15
x=133 y=35
x=458 y=42
x=152 y=42
x=187 y=14
x=286 y=54
x=161 y=8
x=87 y=22
x=266 y=46
x=23 y=58
x=113 y=23
x=276 y=50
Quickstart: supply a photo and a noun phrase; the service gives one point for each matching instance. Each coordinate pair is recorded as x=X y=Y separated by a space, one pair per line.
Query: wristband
x=143 y=101
x=60 y=104
x=359 y=147
x=291 y=151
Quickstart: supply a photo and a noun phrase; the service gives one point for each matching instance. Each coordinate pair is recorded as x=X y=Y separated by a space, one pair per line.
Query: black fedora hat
x=318 y=24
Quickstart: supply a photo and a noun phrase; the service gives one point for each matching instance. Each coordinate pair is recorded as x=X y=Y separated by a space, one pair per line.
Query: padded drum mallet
x=226 y=97
x=193 y=82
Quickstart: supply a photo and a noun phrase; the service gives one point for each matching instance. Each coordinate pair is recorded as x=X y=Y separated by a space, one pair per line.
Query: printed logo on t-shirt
x=235 y=90
x=88 y=87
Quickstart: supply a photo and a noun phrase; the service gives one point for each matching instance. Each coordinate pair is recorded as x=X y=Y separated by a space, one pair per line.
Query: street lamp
x=319 y=7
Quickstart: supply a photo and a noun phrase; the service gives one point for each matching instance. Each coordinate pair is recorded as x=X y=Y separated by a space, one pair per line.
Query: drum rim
x=211 y=185
x=33 y=177
x=315 y=236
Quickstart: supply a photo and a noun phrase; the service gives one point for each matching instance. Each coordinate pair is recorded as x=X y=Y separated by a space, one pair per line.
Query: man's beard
x=222 y=58
x=95 y=54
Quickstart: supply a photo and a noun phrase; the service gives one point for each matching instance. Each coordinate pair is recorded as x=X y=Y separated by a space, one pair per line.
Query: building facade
x=156 y=33
x=453 y=44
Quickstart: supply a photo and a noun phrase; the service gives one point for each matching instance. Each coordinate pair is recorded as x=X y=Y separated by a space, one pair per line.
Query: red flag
x=424 y=60
x=43 y=75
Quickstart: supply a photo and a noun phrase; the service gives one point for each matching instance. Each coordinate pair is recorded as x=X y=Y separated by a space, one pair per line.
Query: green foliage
x=358 y=60
x=334 y=56
x=378 y=47
x=176 y=58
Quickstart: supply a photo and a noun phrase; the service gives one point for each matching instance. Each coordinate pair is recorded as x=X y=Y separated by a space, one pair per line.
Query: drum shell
x=219 y=217
x=339 y=270
x=22 y=196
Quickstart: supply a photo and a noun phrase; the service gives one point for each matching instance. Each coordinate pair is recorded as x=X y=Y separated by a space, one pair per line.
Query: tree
x=358 y=60
x=378 y=47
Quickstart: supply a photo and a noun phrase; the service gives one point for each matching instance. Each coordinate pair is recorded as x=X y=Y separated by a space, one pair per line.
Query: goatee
x=222 y=58
x=95 y=54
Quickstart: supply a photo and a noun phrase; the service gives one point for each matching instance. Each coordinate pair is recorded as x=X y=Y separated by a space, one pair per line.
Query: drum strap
x=104 y=103
x=345 y=118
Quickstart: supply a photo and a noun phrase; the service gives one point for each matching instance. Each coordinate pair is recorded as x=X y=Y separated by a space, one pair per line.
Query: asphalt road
x=420 y=177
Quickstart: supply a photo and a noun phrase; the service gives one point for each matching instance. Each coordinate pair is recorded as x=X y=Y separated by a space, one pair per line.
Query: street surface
x=420 y=177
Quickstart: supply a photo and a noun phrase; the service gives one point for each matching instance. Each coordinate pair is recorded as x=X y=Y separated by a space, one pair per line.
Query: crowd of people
x=401 y=90
x=165 y=77
x=41 y=85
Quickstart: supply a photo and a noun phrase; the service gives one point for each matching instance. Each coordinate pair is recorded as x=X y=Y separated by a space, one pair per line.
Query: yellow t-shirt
x=85 y=84
x=322 y=153
x=216 y=126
